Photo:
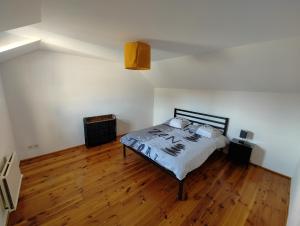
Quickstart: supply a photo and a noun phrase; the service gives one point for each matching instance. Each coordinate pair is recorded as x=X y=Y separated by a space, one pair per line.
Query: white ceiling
x=17 y=13
x=196 y=43
x=172 y=27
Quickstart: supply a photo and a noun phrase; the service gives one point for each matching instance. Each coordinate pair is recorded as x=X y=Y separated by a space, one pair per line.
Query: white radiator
x=10 y=184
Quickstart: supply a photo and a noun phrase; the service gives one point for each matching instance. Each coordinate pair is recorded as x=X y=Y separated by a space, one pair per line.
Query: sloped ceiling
x=13 y=45
x=173 y=27
x=17 y=13
x=182 y=34
x=272 y=66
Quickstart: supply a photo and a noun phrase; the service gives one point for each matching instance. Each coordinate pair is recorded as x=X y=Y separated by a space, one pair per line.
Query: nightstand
x=240 y=151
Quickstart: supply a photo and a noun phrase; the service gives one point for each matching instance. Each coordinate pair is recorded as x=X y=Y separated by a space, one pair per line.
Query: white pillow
x=179 y=123
x=208 y=131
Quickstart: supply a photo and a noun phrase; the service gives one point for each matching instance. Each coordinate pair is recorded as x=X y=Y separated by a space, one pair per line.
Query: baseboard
x=271 y=171
x=57 y=152
x=118 y=137
x=51 y=153
x=225 y=150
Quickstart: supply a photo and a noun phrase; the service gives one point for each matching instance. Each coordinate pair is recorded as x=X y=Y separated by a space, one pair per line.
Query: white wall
x=12 y=17
x=272 y=117
x=49 y=93
x=294 y=217
x=265 y=77
x=7 y=145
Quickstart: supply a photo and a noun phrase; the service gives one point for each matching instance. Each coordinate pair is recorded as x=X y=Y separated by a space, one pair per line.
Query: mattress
x=178 y=150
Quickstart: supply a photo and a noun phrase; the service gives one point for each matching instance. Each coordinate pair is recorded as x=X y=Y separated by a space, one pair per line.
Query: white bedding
x=179 y=150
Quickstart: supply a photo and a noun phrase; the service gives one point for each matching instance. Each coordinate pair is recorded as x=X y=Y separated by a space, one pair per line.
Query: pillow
x=208 y=131
x=179 y=123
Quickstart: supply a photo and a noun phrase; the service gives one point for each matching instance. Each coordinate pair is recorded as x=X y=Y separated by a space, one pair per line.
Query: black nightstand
x=240 y=151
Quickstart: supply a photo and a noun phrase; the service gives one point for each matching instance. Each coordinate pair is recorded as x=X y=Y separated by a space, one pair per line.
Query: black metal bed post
x=175 y=112
x=181 y=194
x=226 y=126
x=124 y=150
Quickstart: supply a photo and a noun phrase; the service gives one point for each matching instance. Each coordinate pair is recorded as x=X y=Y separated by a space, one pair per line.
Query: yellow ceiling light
x=137 y=56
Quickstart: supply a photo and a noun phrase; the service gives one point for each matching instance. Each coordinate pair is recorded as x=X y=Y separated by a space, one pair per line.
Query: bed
x=178 y=151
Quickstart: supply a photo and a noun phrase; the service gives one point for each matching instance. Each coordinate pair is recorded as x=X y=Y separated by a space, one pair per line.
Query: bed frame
x=218 y=122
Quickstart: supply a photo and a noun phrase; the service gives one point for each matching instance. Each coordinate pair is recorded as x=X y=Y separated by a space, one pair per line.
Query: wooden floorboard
x=97 y=186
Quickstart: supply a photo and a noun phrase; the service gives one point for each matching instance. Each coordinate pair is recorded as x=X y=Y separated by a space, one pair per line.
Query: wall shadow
x=164 y=49
x=258 y=155
x=123 y=126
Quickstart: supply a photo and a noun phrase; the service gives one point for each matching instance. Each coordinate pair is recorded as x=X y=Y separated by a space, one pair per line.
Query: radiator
x=10 y=183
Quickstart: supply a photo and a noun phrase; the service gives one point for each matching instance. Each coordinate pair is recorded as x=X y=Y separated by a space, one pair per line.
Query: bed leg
x=124 y=151
x=181 y=194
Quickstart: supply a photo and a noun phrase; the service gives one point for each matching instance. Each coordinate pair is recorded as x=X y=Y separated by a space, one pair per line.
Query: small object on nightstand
x=243 y=134
x=240 y=151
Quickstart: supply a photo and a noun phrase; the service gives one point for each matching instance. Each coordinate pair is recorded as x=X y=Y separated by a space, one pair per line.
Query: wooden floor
x=98 y=187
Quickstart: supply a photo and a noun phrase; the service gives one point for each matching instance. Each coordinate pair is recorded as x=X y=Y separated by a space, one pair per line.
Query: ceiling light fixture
x=137 y=56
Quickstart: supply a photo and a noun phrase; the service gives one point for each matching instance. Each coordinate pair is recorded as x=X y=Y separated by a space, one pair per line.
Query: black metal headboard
x=218 y=122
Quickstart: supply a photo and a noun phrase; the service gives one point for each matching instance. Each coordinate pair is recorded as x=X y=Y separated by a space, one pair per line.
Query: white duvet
x=178 y=150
